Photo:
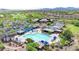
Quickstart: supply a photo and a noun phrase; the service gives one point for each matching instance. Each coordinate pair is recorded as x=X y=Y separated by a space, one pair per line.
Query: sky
x=36 y=4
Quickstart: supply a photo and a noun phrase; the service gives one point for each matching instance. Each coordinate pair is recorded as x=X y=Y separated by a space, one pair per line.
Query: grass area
x=1 y=45
x=32 y=46
x=74 y=29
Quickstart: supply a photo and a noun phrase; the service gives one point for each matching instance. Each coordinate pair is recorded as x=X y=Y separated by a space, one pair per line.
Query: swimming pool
x=37 y=36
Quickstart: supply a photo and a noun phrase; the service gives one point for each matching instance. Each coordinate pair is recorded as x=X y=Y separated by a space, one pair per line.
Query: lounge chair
x=42 y=41
x=46 y=43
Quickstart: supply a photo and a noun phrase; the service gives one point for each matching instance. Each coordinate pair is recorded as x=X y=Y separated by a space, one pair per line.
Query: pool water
x=37 y=36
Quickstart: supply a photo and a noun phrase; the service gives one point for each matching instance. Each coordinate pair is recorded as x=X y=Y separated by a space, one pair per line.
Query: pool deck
x=22 y=39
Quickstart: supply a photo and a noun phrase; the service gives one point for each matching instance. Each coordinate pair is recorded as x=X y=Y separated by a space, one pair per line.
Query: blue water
x=37 y=36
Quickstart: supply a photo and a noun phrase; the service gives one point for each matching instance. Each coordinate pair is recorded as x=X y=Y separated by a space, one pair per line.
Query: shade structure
x=47 y=29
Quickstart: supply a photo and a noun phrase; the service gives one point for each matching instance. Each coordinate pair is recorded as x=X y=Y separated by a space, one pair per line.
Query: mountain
x=61 y=9
x=45 y=9
x=66 y=9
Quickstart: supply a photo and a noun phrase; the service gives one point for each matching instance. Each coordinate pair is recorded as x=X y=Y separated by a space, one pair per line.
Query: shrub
x=29 y=40
x=52 y=45
x=46 y=47
x=49 y=23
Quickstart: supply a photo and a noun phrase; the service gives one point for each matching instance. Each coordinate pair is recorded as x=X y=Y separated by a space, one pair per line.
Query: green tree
x=67 y=34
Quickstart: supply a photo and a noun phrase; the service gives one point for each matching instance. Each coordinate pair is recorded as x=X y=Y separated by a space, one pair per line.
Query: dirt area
x=14 y=47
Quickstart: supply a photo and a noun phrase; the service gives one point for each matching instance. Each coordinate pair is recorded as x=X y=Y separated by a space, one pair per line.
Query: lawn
x=74 y=29
x=32 y=46
x=1 y=46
